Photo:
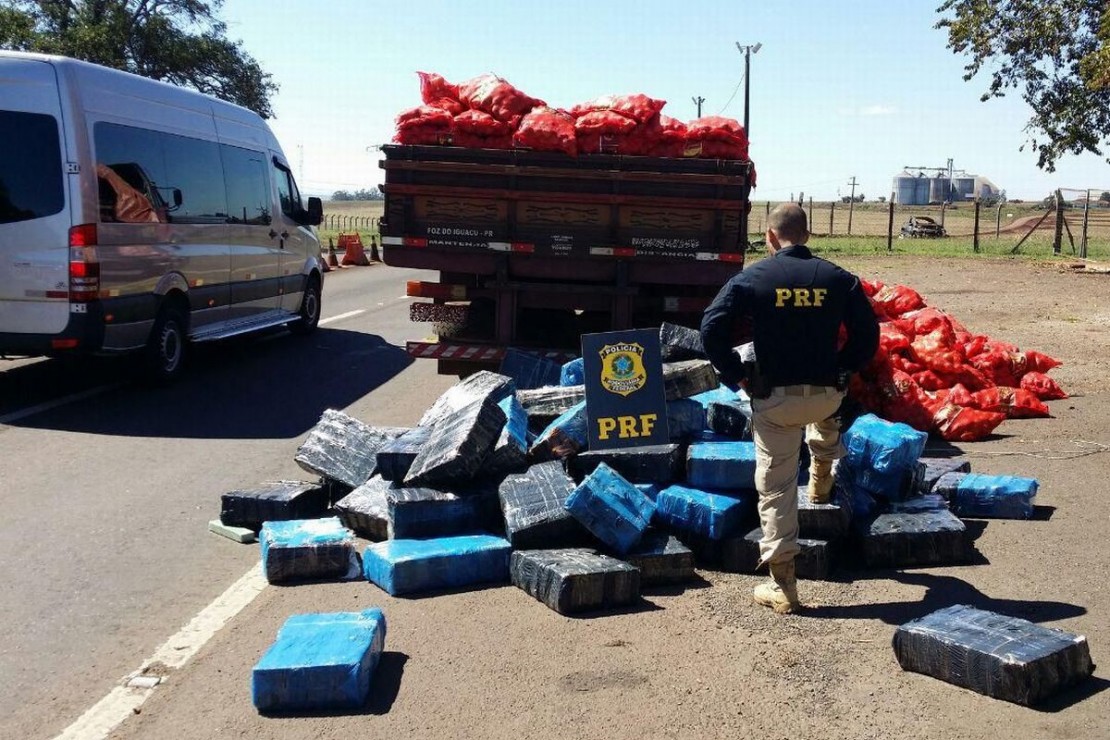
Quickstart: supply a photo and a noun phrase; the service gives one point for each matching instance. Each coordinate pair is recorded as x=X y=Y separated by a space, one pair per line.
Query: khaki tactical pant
x=777 y=424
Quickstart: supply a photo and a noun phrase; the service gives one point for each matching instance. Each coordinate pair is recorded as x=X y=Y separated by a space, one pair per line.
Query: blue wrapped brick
x=563 y=437
x=302 y=549
x=510 y=452
x=685 y=419
x=721 y=465
x=710 y=515
x=320 y=662
x=882 y=446
x=991 y=496
x=727 y=412
x=528 y=370
x=611 y=508
x=573 y=373
x=411 y=566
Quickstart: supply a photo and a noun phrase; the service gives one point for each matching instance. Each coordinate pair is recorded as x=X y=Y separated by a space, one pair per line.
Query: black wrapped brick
x=396 y=456
x=365 y=510
x=575 y=579
x=829 y=521
x=688 y=378
x=908 y=539
x=814 y=561
x=343 y=449
x=458 y=444
x=662 y=559
x=420 y=513
x=532 y=504
x=677 y=343
x=662 y=464
x=1003 y=657
x=544 y=405
x=935 y=467
x=271 y=502
x=481 y=385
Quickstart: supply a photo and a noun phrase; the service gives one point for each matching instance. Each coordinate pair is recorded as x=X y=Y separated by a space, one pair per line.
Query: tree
x=178 y=41
x=342 y=195
x=1105 y=197
x=1057 y=52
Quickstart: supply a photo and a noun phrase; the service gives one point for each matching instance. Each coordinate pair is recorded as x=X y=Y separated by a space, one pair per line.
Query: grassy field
x=869 y=229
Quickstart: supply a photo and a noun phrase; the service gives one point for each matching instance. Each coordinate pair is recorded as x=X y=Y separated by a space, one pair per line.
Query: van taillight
x=84 y=267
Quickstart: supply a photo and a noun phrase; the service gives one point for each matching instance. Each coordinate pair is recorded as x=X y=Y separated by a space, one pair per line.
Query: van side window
x=180 y=178
x=31 y=184
x=288 y=195
x=248 y=190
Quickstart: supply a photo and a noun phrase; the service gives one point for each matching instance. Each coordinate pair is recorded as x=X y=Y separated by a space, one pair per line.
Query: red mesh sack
x=961 y=424
x=927 y=320
x=434 y=87
x=929 y=381
x=997 y=366
x=714 y=150
x=904 y=401
x=870 y=287
x=639 y=107
x=424 y=116
x=898 y=299
x=717 y=128
x=975 y=346
x=1039 y=362
x=1042 y=386
x=1015 y=403
x=493 y=95
x=479 y=123
x=865 y=394
x=892 y=339
x=937 y=354
x=906 y=365
x=547 y=130
x=967 y=376
x=672 y=138
x=604 y=122
x=426 y=135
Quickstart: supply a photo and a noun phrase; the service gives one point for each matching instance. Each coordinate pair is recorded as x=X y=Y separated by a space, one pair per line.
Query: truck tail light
x=84 y=266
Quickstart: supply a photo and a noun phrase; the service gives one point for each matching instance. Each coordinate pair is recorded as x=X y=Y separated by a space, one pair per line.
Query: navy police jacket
x=797 y=303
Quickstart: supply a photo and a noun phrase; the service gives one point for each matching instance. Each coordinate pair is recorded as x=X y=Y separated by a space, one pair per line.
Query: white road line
x=342 y=316
x=122 y=701
x=46 y=406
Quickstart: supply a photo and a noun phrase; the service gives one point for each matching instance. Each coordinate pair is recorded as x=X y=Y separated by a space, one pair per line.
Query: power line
x=733 y=96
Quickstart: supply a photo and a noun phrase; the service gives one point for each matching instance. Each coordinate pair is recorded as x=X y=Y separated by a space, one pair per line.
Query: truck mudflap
x=472 y=352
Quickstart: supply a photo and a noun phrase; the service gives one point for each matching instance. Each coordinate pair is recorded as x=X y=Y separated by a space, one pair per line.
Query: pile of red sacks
x=932 y=373
x=489 y=113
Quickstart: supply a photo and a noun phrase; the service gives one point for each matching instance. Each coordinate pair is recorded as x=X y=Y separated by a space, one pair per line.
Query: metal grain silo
x=939 y=189
x=920 y=190
x=905 y=186
x=964 y=187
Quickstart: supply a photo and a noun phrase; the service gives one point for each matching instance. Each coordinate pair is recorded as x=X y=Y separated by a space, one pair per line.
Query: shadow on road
x=943 y=591
x=385 y=685
x=268 y=388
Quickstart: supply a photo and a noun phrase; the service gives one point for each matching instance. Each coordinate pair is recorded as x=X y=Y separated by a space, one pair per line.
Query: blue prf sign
x=626 y=403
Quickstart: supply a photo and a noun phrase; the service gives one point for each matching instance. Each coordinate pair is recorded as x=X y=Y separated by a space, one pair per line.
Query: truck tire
x=309 y=315
x=165 y=351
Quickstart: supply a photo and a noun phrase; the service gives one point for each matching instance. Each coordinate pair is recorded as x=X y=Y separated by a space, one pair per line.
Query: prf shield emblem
x=622 y=368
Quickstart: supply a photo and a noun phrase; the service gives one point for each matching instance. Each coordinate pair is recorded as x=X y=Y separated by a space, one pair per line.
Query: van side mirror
x=315 y=211
x=177 y=199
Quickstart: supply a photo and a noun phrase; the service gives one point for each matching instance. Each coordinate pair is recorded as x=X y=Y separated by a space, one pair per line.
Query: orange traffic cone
x=355 y=253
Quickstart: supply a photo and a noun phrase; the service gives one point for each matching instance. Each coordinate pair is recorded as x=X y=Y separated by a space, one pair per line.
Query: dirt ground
x=704 y=661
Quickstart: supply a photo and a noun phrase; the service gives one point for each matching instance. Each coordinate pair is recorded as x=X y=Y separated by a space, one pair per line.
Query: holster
x=758 y=387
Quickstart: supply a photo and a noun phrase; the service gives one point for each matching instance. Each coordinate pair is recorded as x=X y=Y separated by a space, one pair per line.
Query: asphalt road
x=107 y=486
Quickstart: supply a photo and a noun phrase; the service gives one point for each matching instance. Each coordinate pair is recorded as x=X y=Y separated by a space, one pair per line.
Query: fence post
x=851 y=209
x=975 y=243
x=1086 y=216
x=890 y=226
x=810 y=212
x=943 y=208
x=1058 y=237
x=832 y=210
x=998 y=220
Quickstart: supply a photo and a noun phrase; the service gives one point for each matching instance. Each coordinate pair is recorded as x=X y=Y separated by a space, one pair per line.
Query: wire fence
x=1073 y=222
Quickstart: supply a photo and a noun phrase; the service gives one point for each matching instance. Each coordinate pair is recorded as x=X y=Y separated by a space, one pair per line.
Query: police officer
x=796 y=303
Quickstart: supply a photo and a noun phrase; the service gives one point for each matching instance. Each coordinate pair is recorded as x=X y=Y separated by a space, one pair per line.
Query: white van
x=139 y=216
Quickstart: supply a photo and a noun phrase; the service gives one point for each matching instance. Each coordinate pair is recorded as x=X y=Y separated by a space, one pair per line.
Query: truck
x=534 y=249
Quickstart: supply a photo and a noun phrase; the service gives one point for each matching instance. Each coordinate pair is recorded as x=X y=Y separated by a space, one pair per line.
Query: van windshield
x=31 y=179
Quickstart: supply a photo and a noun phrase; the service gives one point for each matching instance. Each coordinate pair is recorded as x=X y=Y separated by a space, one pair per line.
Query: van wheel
x=165 y=352
x=309 y=315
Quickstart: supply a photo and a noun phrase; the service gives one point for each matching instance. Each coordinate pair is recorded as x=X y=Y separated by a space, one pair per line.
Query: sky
x=838 y=90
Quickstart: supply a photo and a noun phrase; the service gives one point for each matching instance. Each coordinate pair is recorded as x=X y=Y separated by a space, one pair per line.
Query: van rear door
x=34 y=218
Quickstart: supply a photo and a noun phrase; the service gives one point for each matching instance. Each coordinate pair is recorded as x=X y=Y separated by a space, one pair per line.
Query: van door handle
x=285 y=235
x=273 y=233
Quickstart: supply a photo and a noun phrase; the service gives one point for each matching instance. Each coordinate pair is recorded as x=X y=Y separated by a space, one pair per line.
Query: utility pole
x=748 y=51
x=698 y=101
x=851 y=204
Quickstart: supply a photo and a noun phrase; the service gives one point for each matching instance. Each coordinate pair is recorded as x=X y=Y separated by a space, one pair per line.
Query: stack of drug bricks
x=496 y=485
